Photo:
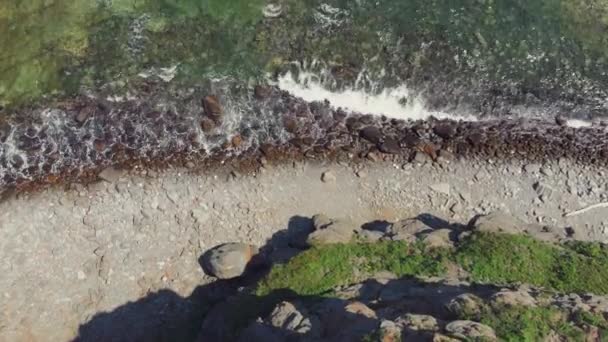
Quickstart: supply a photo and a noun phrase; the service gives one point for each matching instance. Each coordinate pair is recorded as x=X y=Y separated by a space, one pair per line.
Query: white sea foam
x=398 y=102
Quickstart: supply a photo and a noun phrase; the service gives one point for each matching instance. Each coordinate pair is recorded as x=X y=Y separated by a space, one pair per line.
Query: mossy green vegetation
x=489 y=258
x=318 y=270
x=519 y=323
x=498 y=258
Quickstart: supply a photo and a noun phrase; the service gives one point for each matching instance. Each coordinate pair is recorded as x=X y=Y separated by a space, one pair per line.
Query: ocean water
x=406 y=59
x=463 y=57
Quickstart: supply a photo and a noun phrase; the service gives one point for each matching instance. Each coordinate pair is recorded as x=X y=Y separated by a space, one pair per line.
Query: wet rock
x=261 y=92
x=272 y=11
x=236 y=141
x=339 y=231
x=207 y=125
x=407 y=230
x=229 y=260
x=445 y=131
x=213 y=108
x=372 y=134
x=111 y=174
x=561 y=121
x=499 y=222
x=475 y=138
x=470 y=330
x=390 y=146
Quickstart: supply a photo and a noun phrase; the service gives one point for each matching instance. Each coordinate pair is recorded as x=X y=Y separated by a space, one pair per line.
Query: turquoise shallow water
x=481 y=55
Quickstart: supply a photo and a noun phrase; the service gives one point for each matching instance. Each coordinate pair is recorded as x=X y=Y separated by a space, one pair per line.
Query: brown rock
x=237 y=141
x=261 y=92
x=212 y=107
x=207 y=125
x=445 y=131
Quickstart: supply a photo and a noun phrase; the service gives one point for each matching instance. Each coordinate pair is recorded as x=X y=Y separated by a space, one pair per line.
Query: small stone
x=361 y=174
x=442 y=188
x=422 y=158
x=471 y=330
x=532 y=168
x=236 y=141
x=328 y=177
x=546 y=171
x=445 y=131
x=111 y=174
x=228 y=260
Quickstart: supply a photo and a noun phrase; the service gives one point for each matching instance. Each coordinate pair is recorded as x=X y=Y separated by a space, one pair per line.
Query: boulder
x=336 y=232
x=466 y=304
x=499 y=222
x=513 y=298
x=471 y=330
x=289 y=319
x=440 y=238
x=407 y=230
x=228 y=260
x=418 y=322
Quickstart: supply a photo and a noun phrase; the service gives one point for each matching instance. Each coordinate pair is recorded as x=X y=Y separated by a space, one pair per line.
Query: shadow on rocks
x=166 y=316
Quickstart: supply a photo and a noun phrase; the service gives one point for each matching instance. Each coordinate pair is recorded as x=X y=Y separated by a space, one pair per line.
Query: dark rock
x=445 y=131
x=291 y=125
x=475 y=138
x=390 y=145
x=560 y=120
x=207 y=125
x=261 y=92
x=213 y=108
x=372 y=134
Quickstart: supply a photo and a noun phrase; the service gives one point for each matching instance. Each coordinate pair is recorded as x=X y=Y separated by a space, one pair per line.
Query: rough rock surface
x=229 y=260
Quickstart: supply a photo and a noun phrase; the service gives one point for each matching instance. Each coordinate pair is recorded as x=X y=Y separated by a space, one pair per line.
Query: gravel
x=68 y=254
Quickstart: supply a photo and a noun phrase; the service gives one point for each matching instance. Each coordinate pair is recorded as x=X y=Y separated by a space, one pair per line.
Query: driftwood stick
x=591 y=207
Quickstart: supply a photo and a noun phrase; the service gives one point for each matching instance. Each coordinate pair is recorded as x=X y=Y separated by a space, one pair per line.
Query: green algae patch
x=521 y=323
x=320 y=269
x=488 y=258
x=505 y=259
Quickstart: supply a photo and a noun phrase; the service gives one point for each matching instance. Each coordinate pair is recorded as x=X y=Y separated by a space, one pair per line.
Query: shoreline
x=94 y=135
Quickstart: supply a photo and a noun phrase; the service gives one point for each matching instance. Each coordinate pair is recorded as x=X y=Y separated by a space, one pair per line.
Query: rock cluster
x=80 y=135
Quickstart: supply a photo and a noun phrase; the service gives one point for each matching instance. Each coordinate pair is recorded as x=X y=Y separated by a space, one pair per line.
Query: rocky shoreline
x=79 y=137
